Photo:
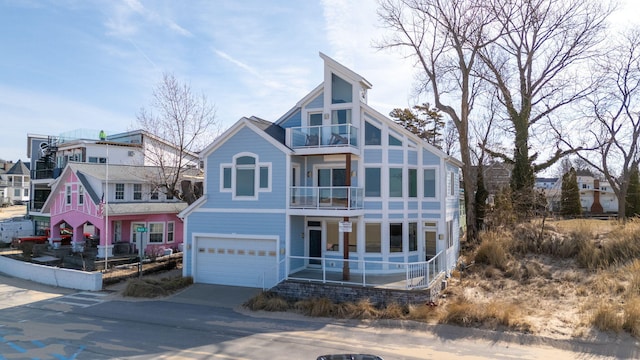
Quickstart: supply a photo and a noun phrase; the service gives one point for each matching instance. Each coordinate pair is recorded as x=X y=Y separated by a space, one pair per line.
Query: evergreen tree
x=422 y=120
x=570 y=195
x=633 y=194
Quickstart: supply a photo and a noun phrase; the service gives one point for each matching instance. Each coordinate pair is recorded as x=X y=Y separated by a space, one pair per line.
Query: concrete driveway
x=214 y=295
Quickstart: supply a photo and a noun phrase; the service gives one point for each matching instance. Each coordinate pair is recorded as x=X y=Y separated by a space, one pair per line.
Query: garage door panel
x=241 y=262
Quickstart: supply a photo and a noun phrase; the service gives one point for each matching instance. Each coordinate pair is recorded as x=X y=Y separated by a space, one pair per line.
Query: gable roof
x=86 y=172
x=19 y=168
x=265 y=129
x=336 y=65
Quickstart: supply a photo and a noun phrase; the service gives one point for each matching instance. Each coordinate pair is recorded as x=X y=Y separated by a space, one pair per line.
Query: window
x=154 y=194
x=137 y=191
x=371 y=134
x=226 y=178
x=134 y=234
x=395 y=237
x=245 y=176
x=413 y=236
x=394 y=141
x=341 y=117
x=395 y=182
x=430 y=183
x=170 y=231
x=95 y=160
x=372 y=235
x=341 y=91
x=119 y=191
x=26 y=192
x=264 y=177
x=156 y=232
x=452 y=182
x=413 y=183
x=80 y=195
x=372 y=182
x=16 y=193
x=67 y=195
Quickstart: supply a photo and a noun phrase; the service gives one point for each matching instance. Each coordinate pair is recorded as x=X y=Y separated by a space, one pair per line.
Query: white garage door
x=236 y=261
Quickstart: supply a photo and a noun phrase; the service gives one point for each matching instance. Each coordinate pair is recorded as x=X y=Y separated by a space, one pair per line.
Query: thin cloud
x=124 y=19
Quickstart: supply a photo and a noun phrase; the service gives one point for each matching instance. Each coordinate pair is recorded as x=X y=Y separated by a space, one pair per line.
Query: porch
x=366 y=273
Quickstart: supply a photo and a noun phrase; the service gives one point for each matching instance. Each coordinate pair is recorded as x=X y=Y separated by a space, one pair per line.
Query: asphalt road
x=206 y=322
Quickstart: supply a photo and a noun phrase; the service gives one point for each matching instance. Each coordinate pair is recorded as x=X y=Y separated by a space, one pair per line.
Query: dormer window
x=341 y=91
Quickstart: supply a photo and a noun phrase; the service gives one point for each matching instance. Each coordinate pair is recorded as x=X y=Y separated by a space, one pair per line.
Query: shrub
x=631 y=321
x=153 y=288
x=267 y=301
x=316 y=307
x=607 y=318
x=493 y=250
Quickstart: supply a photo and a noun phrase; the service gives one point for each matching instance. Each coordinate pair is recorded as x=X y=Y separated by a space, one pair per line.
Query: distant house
x=15 y=183
x=116 y=204
x=51 y=154
x=596 y=195
x=332 y=178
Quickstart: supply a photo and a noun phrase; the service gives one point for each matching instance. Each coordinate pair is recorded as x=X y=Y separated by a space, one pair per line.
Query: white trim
x=222 y=167
x=241 y=211
x=173 y=231
x=149 y=242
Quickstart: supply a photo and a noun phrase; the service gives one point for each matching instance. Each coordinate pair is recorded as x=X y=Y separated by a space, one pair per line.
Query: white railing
x=326 y=197
x=322 y=136
x=383 y=274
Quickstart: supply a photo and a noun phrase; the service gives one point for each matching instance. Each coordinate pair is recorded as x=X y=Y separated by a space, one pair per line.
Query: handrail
x=409 y=275
x=319 y=136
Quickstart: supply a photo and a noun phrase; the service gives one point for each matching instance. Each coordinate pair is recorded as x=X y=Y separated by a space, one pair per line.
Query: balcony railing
x=322 y=136
x=405 y=275
x=333 y=198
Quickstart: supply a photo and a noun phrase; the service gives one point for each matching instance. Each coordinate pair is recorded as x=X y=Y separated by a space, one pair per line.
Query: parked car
x=349 y=357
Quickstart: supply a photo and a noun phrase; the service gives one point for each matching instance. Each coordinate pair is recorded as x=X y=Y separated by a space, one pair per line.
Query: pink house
x=113 y=208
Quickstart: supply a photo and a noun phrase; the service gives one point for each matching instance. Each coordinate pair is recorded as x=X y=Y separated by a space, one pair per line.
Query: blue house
x=332 y=191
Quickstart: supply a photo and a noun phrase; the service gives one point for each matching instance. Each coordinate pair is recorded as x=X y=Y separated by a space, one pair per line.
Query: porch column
x=345 y=245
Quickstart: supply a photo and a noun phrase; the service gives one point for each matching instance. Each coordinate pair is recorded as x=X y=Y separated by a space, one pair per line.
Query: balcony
x=327 y=139
x=326 y=198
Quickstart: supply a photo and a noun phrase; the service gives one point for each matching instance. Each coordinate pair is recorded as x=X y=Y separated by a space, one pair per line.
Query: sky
x=93 y=64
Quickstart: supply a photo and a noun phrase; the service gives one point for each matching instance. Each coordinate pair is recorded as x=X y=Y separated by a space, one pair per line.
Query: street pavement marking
x=82 y=299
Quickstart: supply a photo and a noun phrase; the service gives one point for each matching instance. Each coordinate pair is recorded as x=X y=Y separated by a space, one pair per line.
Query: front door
x=430 y=246
x=315 y=246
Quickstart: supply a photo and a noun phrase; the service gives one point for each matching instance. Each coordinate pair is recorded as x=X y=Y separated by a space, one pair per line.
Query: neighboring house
x=50 y=155
x=112 y=203
x=596 y=196
x=17 y=183
x=279 y=197
x=496 y=176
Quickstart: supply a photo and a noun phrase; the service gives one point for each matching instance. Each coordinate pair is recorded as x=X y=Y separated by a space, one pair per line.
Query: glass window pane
x=413 y=183
x=341 y=117
x=315 y=119
x=395 y=182
x=226 y=183
x=372 y=237
x=372 y=182
x=264 y=177
x=245 y=182
x=338 y=177
x=395 y=237
x=245 y=160
x=324 y=177
x=413 y=236
x=394 y=141
x=372 y=135
x=333 y=237
x=353 y=237
x=430 y=183
x=341 y=91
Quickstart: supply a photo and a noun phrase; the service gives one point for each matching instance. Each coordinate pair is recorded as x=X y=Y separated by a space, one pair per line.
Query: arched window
x=245 y=177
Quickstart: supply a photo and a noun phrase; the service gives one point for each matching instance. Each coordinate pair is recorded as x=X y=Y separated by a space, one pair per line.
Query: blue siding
x=296 y=241
x=247 y=140
x=373 y=205
x=412 y=157
x=430 y=205
x=396 y=156
x=412 y=216
x=412 y=205
x=430 y=216
x=429 y=158
x=372 y=156
x=396 y=216
x=295 y=120
x=372 y=216
x=230 y=223
x=396 y=205
x=316 y=103
x=415 y=258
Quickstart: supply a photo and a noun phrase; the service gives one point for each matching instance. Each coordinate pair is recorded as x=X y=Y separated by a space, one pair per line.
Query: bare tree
x=444 y=37
x=180 y=124
x=615 y=126
x=542 y=45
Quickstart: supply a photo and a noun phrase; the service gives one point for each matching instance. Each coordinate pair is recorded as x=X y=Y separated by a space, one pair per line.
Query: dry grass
x=149 y=288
